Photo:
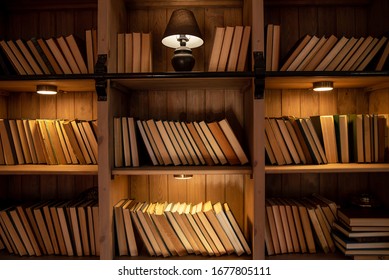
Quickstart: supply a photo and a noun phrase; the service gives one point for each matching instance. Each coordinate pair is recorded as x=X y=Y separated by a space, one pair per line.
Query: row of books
x=330 y=53
x=52 y=56
x=48 y=141
x=272 y=52
x=134 y=52
x=67 y=228
x=360 y=138
x=178 y=229
x=176 y=143
x=299 y=225
x=230 y=48
x=362 y=232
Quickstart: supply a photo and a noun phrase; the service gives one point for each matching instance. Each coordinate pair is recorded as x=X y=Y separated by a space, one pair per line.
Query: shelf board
x=329 y=168
x=24 y=83
x=304 y=79
x=183 y=80
x=36 y=169
x=185 y=170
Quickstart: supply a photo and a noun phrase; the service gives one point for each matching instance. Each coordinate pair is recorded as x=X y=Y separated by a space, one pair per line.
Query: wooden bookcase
x=159 y=95
x=290 y=94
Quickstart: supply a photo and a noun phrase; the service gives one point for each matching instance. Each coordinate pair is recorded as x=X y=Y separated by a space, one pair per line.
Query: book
x=216 y=49
x=64 y=220
x=383 y=58
x=206 y=142
x=75 y=48
x=325 y=127
x=28 y=56
x=136 y=51
x=174 y=141
x=306 y=225
x=364 y=54
x=30 y=141
x=16 y=140
x=244 y=48
x=298 y=145
x=225 y=50
x=201 y=149
x=303 y=52
x=146 y=61
x=272 y=227
x=280 y=140
x=273 y=143
x=345 y=230
x=276 y=48
x=20 y=229
x=321 y=53
x=347 y=57
x=291 y=224
x=166 y=141
x=364 y=216
x=288 y=140
x=19 y=56
x=41 y=225
x=269 y=152
x=182 y=142
x=57 y=227
x=316 y=140
x=296 y=51
x=357 y=54
x=55 y=142
x=229 y=133
x=342 y=137
x=67 y=125
x=147 y=143
x=11 y=56
x=191 y=144
x=23 y=141
x=125 y=56
x=312 y=54
x=351 y=243
x=67 y=54
x=285 y=224
x=52 y=43
x=234 y=51
x=133 y=141
x=269 y=46
x=331 y=55
x=155 y=132
x=40 y=56
x=367 y=141
x=119 y=226
x=362 y=252
x=356 y=136
x=140 y=229
x=123 y=149
x=50 y=226
x=372 y=53
x=90 y=61
x=340 y=56
x=152 y=143
x=213 y=142
x=299 y=226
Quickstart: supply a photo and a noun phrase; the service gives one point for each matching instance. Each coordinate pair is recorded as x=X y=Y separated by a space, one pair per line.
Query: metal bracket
x=259 y=72
x=101 y=83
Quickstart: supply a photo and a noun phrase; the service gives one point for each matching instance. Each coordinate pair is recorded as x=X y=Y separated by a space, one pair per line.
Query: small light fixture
x=323 y=86
x=183 y=176
x=46 y=89
x=183 y=34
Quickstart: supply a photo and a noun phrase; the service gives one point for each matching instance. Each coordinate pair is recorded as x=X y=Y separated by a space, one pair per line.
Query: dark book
x=364 y=216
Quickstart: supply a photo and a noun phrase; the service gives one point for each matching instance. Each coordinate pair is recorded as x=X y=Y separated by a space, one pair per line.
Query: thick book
x=136 y=51
x=146 y=53
x=273 y=143
x=129 y=228
x=351 y=243
x=325 y=129
x=244 y=48
x=121 y=53
x=346 y=231
x=269 y=46
x=364 y=216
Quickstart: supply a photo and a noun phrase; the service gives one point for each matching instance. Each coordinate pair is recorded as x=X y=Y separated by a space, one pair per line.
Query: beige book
x=147 y=143
x=57 y=227
x=244 y=48
x=29 y=230
x=73 y=157
x=373 y=52
x=91 y=230
x=76 y=234
x=269 y=46
x=285 y=225
x=280 y=140
x=14 y=237
x=133 y=142
x=321 y=53
x=75 y=50
x=118 y=142
x=288 y=140
x=199 y=143
x=68 y=128
x=89 y=51
x=80 y=141
x=159 y=142
x=341 y=54
x=190 y=143
x=68 y=56
x=39 y=56
x=86 y=142
x=29 y=209
x=96 y=226
x=50 y=226
x=212 y=143
x=45 y=142
x=311 y=54
x=358 y=49
x=30 y=141
x=300 y=45
x=11 y=56
x=4 y=238
x=278 y=225
x=216 y=49
x=65 y=227
x=21 y=231
x=140 y=229
x=316 y=139
x=19 y=56
x=291 y=224
x=83 y=222
x=349 y=54
x=306 y=225
x=29 y=57
x=52 y=43
x=39 y=149
x=276 y=48
x=16 y=141
x=299 y=227
x=7 y=238
x=175 y=141
x=41 y=224
x=46 y=50
x=229 y=133
x=7 y=143
x=62 y=141
x=145 y=60
x=166 y=141
x=181 y=142
x=275 y=147
x=124 y=145
x=177 y=228
x=272 y=227
x=55 y=142
x=136 y=51
x=332 y=54
x=305 y=50
x=364 y=54
x=152 y=143
x=23 y=141
x=234 y=51
x=225 y=50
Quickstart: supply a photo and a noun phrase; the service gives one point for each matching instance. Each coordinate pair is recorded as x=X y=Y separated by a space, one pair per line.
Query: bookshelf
x=290 y=93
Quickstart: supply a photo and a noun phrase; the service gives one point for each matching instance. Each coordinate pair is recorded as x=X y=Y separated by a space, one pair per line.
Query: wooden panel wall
x=341 y=18
x=305 y=103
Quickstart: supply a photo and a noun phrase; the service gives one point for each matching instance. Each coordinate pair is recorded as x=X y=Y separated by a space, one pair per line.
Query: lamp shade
x=182 y=22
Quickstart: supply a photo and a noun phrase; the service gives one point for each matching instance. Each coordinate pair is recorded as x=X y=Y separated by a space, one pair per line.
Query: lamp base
x=183 y=59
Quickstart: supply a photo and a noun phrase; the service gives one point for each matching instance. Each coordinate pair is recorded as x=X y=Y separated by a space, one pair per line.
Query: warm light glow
x=46 y=89
x=183 y=176
x=323 y=86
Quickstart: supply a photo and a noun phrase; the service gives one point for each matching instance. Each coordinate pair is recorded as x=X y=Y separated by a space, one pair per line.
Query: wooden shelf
x=185 y=170
x=35 y=169
x=329 y=168
x=182 y=80
x=304 y=79
x=64 y=83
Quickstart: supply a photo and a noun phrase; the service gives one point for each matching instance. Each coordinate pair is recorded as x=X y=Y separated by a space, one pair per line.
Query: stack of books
x=134 y=52
x=48 y=141
x=230 y=48
x=360 y=138
x=299 y=225
x=362 y=232
x=329 y=53
x=176 y=143
x=178 y=229
x=67 y=228
x=52 y=56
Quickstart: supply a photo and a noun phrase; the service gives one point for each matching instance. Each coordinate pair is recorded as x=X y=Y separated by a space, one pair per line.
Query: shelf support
x=101 y=80
x=259 y=72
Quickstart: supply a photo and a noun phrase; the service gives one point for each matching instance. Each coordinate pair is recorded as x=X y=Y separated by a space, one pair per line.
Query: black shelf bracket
x=259 y=73
x=101 y=80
